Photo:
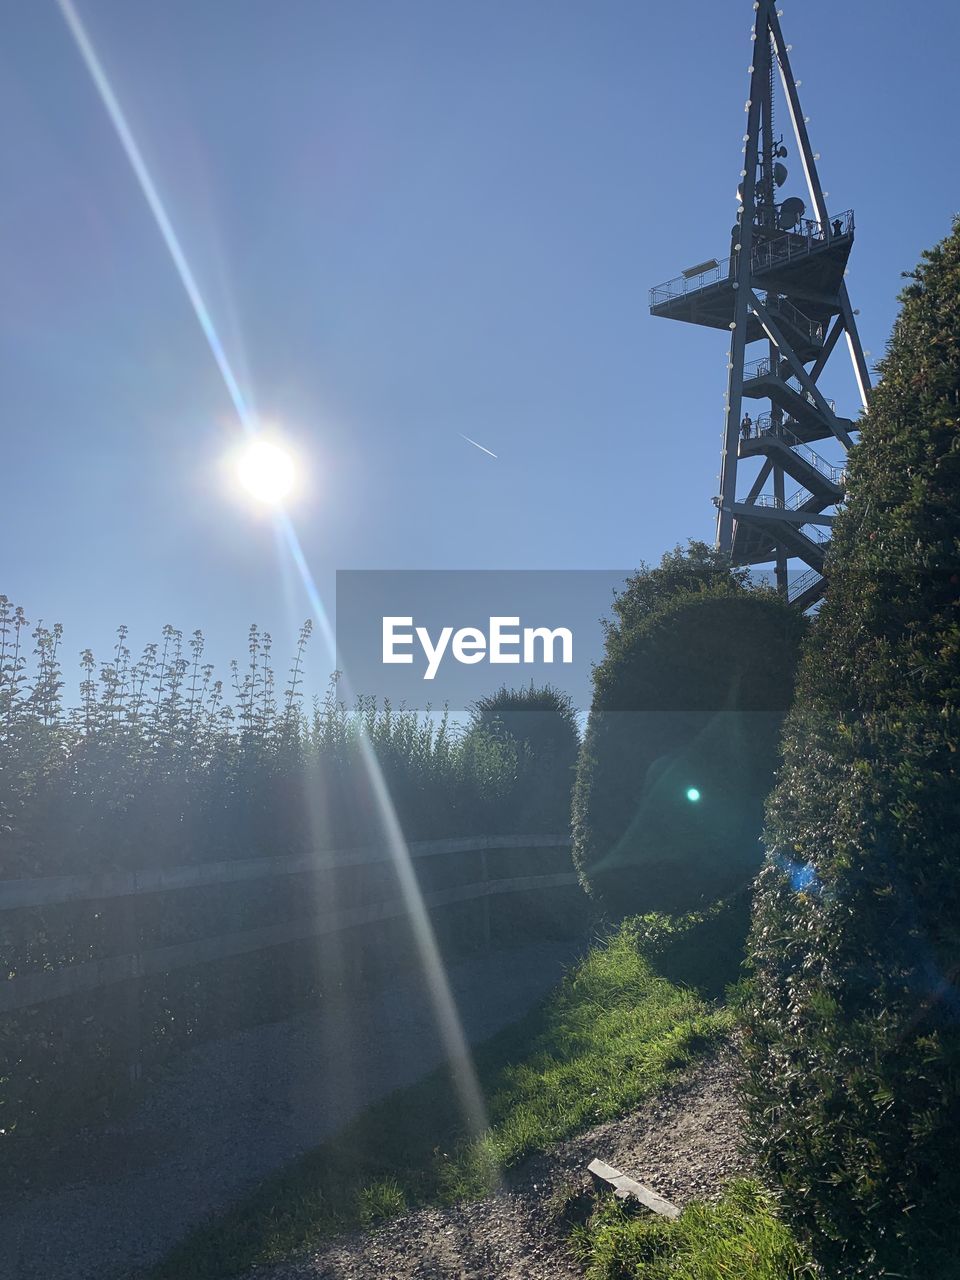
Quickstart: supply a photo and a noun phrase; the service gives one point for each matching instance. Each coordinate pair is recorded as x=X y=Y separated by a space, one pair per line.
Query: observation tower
x=782 y=285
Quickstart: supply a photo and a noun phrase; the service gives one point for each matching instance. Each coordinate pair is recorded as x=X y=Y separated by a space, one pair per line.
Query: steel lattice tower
x=782 y=285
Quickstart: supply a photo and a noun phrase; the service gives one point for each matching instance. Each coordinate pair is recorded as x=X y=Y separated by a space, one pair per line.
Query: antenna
x=790 y=213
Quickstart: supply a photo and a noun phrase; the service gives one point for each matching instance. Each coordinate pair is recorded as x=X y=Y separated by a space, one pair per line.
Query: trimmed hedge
x=682 y=740
x=540 y=726
x=853 y=1037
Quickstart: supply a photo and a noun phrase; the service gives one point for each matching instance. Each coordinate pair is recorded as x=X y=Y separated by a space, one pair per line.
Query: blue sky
x=409 y=221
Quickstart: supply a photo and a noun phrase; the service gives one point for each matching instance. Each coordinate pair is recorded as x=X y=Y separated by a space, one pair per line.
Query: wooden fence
x=33 y=988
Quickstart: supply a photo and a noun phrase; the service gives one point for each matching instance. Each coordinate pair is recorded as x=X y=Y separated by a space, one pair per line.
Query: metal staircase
x=776 y=441
x=783 y=284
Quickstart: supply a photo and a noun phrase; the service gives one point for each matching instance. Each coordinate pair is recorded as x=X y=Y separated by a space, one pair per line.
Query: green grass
x=739 y=1238
x=380 y=1201
x=612 y=1034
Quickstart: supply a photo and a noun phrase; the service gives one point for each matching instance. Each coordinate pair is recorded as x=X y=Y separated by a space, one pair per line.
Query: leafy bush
x=682 y=740
x=853 y=1040
x=541 y=725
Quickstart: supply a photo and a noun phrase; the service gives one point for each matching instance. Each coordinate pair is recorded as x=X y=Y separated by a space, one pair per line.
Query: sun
x=266 y=472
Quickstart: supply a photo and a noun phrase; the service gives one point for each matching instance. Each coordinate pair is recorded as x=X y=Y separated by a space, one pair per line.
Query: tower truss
x=783 y=285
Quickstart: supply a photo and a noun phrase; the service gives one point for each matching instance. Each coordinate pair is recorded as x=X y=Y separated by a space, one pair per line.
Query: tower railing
x=798 y=586
x=683 y=285
x=795 y=317
x=757 y=368
x=762 y=369
x=809 y=238
x=764 y=426
x=768 y=502
x=793 y=503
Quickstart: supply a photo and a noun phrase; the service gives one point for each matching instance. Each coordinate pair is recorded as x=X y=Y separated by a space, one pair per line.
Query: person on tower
x=734 y=249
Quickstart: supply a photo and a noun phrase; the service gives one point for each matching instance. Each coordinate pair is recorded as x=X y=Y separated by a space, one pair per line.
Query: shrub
x=853 y=1041
x=682 y=739
x=541 y=725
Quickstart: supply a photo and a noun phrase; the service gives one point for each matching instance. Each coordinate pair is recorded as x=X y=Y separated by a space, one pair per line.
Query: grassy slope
x=739 y=1238
x=612 y=1034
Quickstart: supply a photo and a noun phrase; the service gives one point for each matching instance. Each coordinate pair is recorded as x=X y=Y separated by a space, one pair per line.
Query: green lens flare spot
x=693 y=795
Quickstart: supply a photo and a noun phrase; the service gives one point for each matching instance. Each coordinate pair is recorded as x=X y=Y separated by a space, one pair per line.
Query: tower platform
x=806 y=266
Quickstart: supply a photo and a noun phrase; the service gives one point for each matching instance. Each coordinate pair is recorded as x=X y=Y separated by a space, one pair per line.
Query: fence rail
x=51 y=890
x=33 y=988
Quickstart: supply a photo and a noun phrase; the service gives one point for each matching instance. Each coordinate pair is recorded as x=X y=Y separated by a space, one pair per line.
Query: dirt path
x=684 y=1144
x=233 y=1110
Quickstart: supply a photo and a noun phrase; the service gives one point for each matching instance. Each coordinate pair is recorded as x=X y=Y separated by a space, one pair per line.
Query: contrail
x=481 y=447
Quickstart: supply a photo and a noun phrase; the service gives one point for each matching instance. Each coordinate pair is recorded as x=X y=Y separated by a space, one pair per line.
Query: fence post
x=358 y=936
x=484 y=902
x=133 y=1030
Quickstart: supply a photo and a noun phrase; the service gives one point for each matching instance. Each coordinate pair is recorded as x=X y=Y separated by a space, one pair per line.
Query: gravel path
x=683 y=1144
x=234 y=1110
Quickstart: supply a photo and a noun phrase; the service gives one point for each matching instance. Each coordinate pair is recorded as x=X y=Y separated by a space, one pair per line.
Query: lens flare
x=693 y=795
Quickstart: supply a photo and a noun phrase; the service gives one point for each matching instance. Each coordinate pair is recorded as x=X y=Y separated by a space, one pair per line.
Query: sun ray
x=454 y=1040
x=137 y=163
x=445 y=1010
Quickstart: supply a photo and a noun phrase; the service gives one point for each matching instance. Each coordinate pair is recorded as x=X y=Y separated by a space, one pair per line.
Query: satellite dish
x=782 y=152
x=791 y=211
x=779 y=174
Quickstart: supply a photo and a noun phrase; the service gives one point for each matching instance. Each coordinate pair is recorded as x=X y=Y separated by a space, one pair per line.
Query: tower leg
x=728 y=470
x=779 y=494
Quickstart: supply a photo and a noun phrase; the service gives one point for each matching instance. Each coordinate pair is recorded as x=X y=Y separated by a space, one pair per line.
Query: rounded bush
x=682 y=744
x=540 y=724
